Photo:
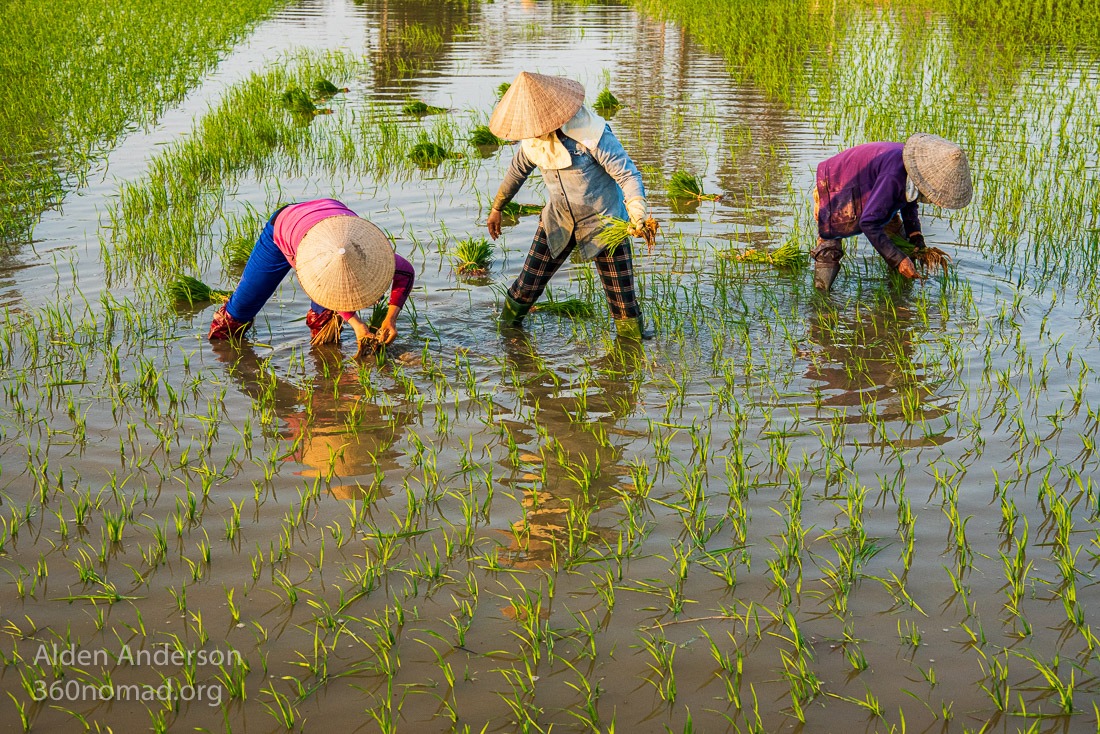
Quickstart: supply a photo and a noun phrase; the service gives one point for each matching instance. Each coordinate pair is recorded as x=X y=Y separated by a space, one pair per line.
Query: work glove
x=638 y=211
x=917 y=241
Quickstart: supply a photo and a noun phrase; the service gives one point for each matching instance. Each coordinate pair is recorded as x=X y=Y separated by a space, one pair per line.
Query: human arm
x=911 y=220
x=610 y=154
x=878 y=209
x=514 y=178
x=404 y=275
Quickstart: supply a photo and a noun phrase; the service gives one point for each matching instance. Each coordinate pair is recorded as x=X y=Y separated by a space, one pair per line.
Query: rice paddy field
x=868 y=511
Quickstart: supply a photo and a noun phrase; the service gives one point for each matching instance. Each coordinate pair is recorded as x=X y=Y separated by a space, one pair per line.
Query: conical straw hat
x=535 y=105
x=345 y=263
x=940 y=170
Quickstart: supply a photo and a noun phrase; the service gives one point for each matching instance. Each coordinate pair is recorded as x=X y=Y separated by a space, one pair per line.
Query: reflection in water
x=580 y=461
x=413 y=38
x=332 y=428
x=867 y=358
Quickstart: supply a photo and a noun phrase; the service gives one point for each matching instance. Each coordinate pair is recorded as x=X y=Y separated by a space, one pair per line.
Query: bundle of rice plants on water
x=323 y=89
x=683 y=185
x=503 y=89
x=932 y=258
x=416 y=107
x=607 y=103
x=472 y=257
x=787 y=255
x=427 y=153
x=193 y=290
x=298 y=102
x=482 y=136
x=570 y=308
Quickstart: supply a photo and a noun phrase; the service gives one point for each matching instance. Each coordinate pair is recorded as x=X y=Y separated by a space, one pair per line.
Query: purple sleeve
x=403 y=278
x=878 y=210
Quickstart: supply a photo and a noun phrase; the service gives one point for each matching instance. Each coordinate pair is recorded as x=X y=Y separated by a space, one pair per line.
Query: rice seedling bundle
x=482 y=136
x=515 y=211
x=618 y=231
x=570 y=308
x=933 y=258
x=420 y=109
x=473 y=256
x=787 y=255
x=607 y=103
x=298 y=102
x=683 y=185
x=323 y=89
x=329 y=333
x=503 y=89
x=427 y=153
x=193 y=290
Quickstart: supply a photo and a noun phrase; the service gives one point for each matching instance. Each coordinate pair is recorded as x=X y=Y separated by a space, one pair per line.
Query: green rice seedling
x=298 y=102
x=570 y=308
x=683 y=185
x=238 y=250
x=607 y=103
x=323 y=89
x=933 y=258
x=473 y=257
x=482 y=137
x=418 y=108
x=786 y=256
x=193 y=290
x=503 y=89
x=427 y=153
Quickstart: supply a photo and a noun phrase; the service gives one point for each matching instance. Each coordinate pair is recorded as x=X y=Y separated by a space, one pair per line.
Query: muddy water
x=465 y=535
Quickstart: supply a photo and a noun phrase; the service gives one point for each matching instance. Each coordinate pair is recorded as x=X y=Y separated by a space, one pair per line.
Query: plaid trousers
x=616 y=272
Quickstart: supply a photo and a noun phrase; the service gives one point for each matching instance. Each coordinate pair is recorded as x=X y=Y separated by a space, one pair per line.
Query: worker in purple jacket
x=864 y=188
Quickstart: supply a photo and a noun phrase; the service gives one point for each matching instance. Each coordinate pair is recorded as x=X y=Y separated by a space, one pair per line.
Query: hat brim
x=940 y=170
x=536 y=105
x=345 y=263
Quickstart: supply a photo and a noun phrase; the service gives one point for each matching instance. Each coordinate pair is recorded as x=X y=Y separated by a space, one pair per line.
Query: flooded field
x=868 y=511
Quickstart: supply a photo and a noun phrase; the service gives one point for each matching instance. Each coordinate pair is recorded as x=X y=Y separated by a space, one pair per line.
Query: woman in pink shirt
x=344 y=263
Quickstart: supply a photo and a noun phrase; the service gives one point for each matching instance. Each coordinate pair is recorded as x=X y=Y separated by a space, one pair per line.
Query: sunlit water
x=946 y=394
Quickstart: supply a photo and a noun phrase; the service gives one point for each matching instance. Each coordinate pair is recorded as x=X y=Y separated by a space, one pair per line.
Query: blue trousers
x=265 y=269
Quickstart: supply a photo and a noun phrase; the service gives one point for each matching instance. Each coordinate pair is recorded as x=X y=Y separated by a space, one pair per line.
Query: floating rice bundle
x=503 y=88
x=787 y=255
x=416 y=107
x=482 y=136
x=607 y=103
x=472 y=257
x=570 y=308
x=933 y=258
x=323 y=89
x=427 y=153
x=683 y=185
x=193 y=290
x=299 y=102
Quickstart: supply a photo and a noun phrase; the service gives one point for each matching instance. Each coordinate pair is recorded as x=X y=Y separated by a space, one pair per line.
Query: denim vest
x=592 y=187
